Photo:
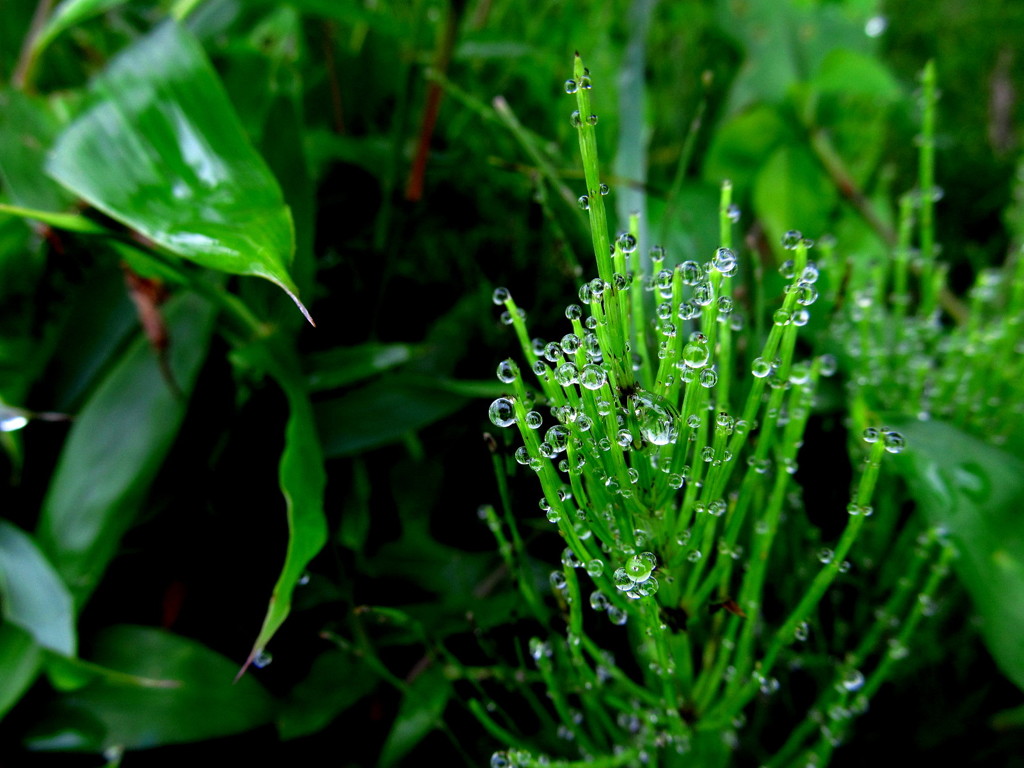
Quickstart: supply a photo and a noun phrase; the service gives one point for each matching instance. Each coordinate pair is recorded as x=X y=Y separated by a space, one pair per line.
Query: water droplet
x=583 y=201
x=733 y=212
x=571 y=86
x=791 y=239
x=876 y=26
x=539 y=649
x=870 y=435
x=825 y=555
x=585 y=83
x=603 y=189
x=851 y=680
x=558 y=581
x=575 y=120
x=617 y=616
x=507 y=371
x=500 y=295
x=656 y=417
x=262 y=658
x=502 y=412
x=591 y=119
x=760 y=367
x=12 y=421
x=593 y=377
x=894 y=442
x=691 y=272
x=626 y=242
x=802 y=631
x=724 y=261
x=567 y=374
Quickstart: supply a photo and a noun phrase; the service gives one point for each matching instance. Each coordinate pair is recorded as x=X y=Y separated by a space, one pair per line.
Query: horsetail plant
x=665 y=433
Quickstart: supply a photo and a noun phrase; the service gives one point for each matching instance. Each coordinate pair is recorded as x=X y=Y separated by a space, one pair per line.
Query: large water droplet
x=502 y=412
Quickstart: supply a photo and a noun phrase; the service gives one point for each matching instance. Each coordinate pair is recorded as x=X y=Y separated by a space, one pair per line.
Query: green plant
x=668 y=468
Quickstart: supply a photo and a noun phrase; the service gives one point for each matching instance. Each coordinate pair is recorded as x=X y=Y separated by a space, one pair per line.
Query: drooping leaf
x=161 y=149
x=302 y=479
x=33 y=596
x=197 y=698
x=975 y=493
x=117 y=445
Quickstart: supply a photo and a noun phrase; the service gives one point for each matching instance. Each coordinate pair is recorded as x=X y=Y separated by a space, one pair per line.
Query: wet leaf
x=975 y=492
x=161 y=150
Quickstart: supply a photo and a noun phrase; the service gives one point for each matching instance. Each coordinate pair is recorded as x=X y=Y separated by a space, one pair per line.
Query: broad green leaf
x=335 y=682
x=117 y=445
x=33 y=595
x=161 y=150
x=792 y=192
x=419 y=713
x=302 y=478
x=20 y=661
x=975 y=492
x=197 y=700
x=380 y=413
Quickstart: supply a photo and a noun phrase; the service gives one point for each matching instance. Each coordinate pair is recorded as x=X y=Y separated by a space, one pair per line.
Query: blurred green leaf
x=66 y=15
x=975 y=493
x=335 y=682
x=34 y=597
x=419 y=713
x=346 y=365
x=792 y=192
x=202 y=702
x=742 y=145
x=27 y=130
x=161 y=150
x=381 y=413
x=851 y=73
x=20 y=661
x=117 y=445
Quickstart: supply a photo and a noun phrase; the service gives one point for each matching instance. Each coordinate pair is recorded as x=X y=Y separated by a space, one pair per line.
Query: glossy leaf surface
x=161 y=150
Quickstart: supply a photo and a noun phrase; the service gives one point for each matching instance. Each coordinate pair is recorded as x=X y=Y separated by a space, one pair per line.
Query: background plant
x=334 y=99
